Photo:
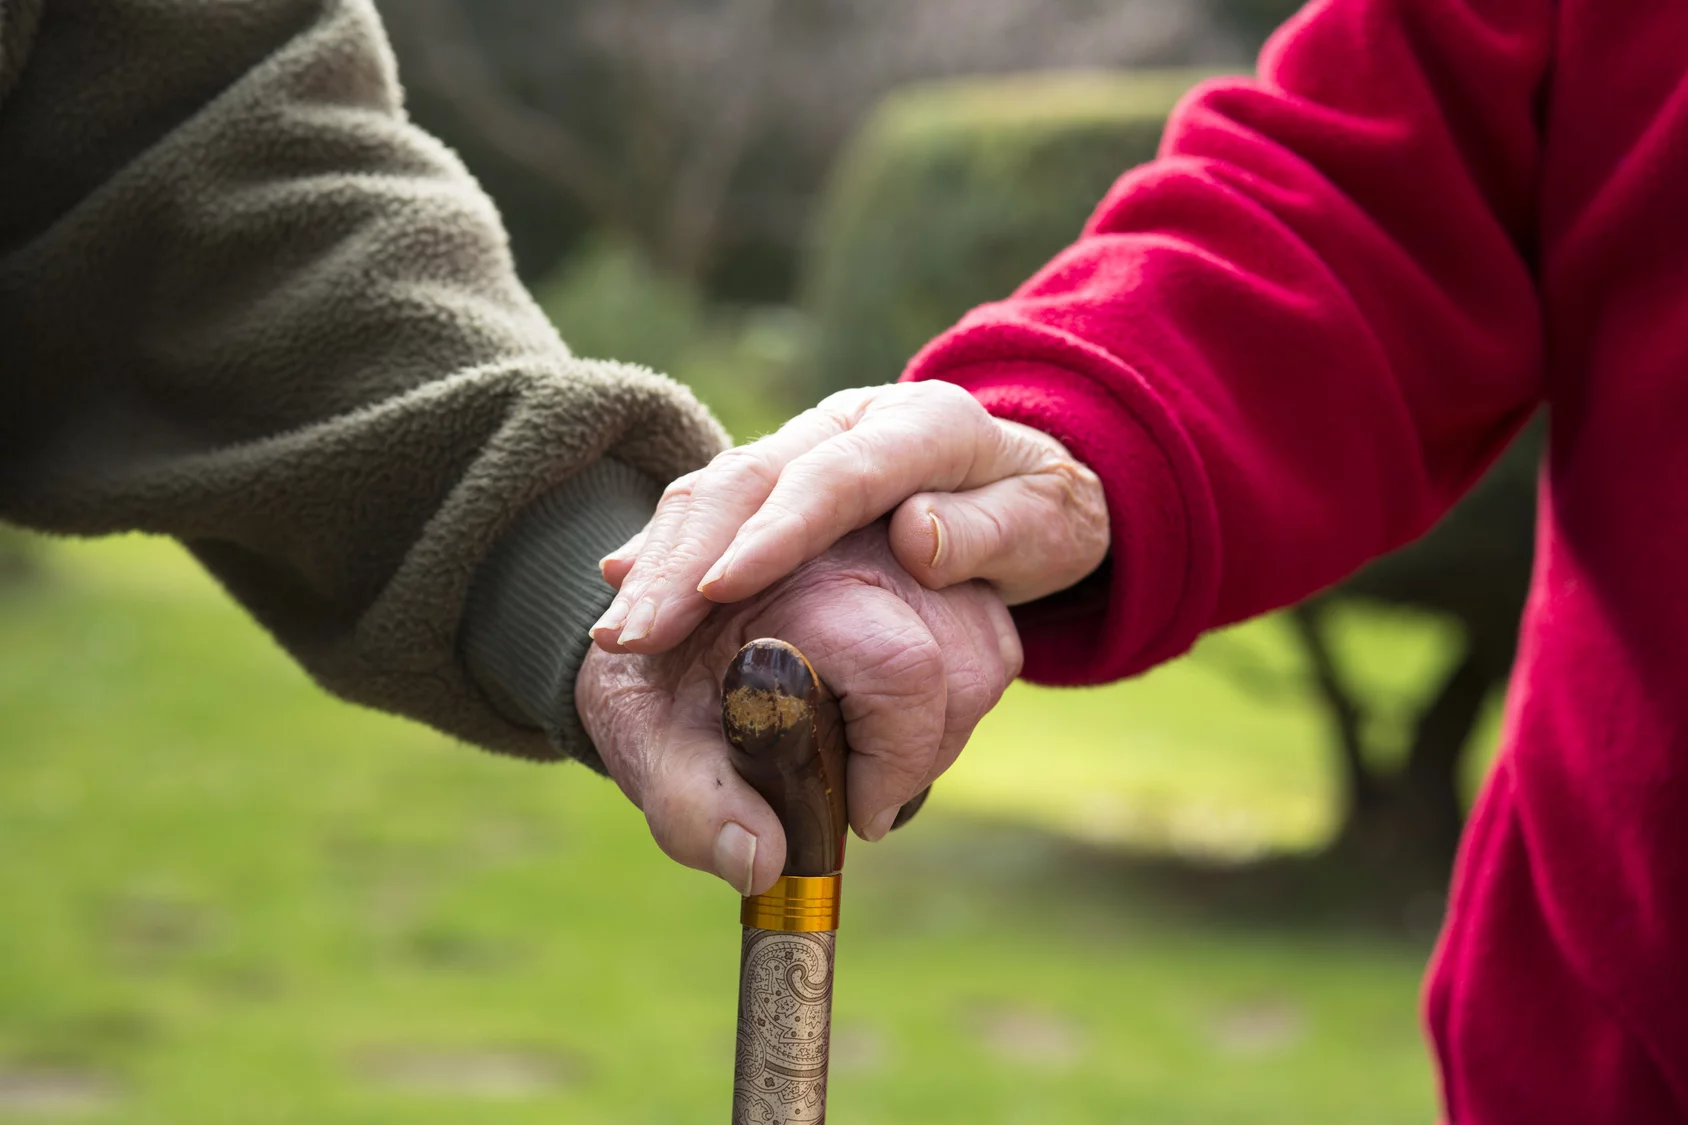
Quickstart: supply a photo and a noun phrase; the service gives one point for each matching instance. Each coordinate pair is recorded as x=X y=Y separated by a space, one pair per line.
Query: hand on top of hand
x=974 y=497
x=913 y=669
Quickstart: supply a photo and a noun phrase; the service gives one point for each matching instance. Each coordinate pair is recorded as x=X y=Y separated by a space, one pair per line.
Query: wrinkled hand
x=914 y=671
x=974 y=497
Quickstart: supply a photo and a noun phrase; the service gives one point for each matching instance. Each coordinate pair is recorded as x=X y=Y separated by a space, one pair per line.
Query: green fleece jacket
x=246 y=304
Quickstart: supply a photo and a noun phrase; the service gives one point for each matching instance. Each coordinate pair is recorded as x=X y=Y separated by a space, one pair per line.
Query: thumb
x=1029 y=535
x=702 y=814
x=671 y=760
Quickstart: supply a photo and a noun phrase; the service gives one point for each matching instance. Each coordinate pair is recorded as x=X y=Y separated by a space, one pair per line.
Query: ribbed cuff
x=524 y=631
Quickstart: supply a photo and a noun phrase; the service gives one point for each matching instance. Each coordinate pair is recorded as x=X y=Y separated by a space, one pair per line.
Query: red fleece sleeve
x=1292 y=341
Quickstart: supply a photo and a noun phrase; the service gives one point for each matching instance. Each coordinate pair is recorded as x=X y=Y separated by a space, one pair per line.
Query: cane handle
x=786 y=737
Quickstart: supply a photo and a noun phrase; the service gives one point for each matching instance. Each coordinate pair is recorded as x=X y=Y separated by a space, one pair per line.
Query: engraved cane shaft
x=787 y=740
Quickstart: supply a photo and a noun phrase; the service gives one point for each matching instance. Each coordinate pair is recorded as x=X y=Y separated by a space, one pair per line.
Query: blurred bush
x=957 y=192
x=609 y=301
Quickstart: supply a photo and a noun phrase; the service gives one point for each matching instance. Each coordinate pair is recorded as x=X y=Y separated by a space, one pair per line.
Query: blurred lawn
x=229 y=899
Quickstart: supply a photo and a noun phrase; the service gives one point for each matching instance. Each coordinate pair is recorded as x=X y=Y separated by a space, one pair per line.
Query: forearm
x=1290 y=343
x=246 y=304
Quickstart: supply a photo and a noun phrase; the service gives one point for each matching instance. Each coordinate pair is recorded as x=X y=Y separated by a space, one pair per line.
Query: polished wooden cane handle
x=787 y=740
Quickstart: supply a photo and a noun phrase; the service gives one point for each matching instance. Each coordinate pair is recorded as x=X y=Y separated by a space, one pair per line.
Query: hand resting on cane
x=913 y=669
x=970 y=497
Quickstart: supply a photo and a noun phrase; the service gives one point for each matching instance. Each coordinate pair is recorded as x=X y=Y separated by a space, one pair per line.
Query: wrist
x=589 y=685
x=524 y=631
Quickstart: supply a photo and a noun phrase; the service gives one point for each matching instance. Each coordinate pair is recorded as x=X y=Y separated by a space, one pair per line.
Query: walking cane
x=786 y=737
x=787 y=740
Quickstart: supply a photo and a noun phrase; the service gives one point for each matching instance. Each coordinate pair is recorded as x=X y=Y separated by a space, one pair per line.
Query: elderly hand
x=974 y=497
x=914 y=671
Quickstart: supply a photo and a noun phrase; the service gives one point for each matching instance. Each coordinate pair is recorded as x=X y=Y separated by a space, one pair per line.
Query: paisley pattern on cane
x=785 y=1019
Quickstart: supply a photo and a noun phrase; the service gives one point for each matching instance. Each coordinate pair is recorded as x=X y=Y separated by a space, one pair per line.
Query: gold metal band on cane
x=797 y=904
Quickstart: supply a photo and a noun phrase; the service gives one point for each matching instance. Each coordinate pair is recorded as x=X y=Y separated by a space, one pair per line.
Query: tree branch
x=1361 y=787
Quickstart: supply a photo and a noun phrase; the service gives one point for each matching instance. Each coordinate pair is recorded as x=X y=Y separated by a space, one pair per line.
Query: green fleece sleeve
x=244 y=303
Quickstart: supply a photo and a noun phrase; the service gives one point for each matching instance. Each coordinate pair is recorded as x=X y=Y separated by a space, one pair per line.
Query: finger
x=1028 y=535
x=701 y=812
x=615 y=565
x=662 y=587
x=980 y=664
x=910 y=809
x=625 y=615
x=982 y=656
x=901 y=446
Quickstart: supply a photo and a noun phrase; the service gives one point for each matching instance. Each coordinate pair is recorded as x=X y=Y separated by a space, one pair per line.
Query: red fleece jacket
x=1290 y=343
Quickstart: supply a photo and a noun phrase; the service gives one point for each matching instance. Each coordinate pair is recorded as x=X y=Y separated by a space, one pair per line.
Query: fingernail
x=639 y=622
x=735 y=857
x=881 y=824
x=1009 y=648
x=612 y=618
x=938 y=540
x=719 y=570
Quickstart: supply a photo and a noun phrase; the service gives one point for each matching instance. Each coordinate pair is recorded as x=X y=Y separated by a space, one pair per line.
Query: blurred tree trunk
x=1474 y=568
x=1411 y=818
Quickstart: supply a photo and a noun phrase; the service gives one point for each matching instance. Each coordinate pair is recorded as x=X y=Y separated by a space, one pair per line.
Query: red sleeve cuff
x=1153 y=594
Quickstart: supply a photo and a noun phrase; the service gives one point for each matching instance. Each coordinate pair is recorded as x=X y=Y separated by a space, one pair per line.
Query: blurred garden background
x=1203 y=896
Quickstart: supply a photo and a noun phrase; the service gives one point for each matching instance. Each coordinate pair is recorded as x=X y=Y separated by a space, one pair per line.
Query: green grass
x=227 y=899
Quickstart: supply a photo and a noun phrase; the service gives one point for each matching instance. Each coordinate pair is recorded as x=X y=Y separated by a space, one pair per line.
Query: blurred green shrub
x=955 y=193
x=609 y=302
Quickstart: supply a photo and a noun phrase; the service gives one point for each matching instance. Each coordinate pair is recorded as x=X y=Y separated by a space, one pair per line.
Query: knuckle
x=1076 y=484
x=869 y=484
x=946 y=395
x=972 y=692
x=1083 y=508
x=733 y=469
x=895 y=665
x=1074 y=492
x=678 y=563
x=680 y=488
x=911 y=663
x=845 y=408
